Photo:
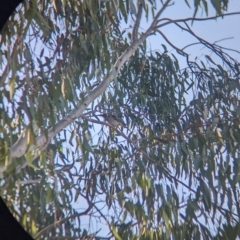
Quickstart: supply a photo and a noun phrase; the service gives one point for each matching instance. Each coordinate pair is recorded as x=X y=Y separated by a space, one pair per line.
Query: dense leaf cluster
x=173 y=173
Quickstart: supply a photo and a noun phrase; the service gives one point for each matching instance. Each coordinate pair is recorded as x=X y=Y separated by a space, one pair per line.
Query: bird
x=113 y=120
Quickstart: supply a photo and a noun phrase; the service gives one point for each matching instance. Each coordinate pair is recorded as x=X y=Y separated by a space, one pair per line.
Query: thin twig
x=155 y=20
x=63 y=220
x=171 y=44
x=169 y=21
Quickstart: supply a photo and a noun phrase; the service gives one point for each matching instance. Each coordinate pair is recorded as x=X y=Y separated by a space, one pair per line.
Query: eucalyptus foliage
x=172 y=173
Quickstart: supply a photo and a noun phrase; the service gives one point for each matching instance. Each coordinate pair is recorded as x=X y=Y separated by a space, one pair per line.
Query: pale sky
x=212 y=30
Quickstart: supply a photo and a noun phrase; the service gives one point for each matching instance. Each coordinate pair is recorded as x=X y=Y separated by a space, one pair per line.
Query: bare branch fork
x=185 y=20
x=215 y=48
x=21 y=146
x=169 y=21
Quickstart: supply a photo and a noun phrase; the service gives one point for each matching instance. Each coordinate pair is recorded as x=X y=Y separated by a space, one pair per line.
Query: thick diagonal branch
x=21 y=146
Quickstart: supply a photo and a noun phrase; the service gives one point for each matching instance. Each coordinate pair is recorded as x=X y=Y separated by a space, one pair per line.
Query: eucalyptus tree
x=171 y=173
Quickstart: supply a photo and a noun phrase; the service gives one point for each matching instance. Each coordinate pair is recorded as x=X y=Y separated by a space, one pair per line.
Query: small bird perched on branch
x=113 y=120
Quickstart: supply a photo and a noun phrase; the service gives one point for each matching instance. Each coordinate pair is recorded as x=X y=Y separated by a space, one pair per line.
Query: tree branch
x=155 y=20
x=169 y=21
x=171 y=44
x=20 y=147
x=63 y=220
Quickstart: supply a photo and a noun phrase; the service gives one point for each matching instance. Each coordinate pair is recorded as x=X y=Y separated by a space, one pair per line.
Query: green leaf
x=229 y=199
x=206 y=195
x=198 y=163
x=205 y=6
x=123 y=10
x=209 y=59
x=165 y=48
x=41 y=22
x=132 y=7
x=217 y=5
x=186 y=1
x=11 y=88
x=115 y=233
x=196 y=5
x=83 y=43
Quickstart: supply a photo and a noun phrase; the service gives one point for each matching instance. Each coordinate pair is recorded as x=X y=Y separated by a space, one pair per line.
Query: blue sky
x=213 y=30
